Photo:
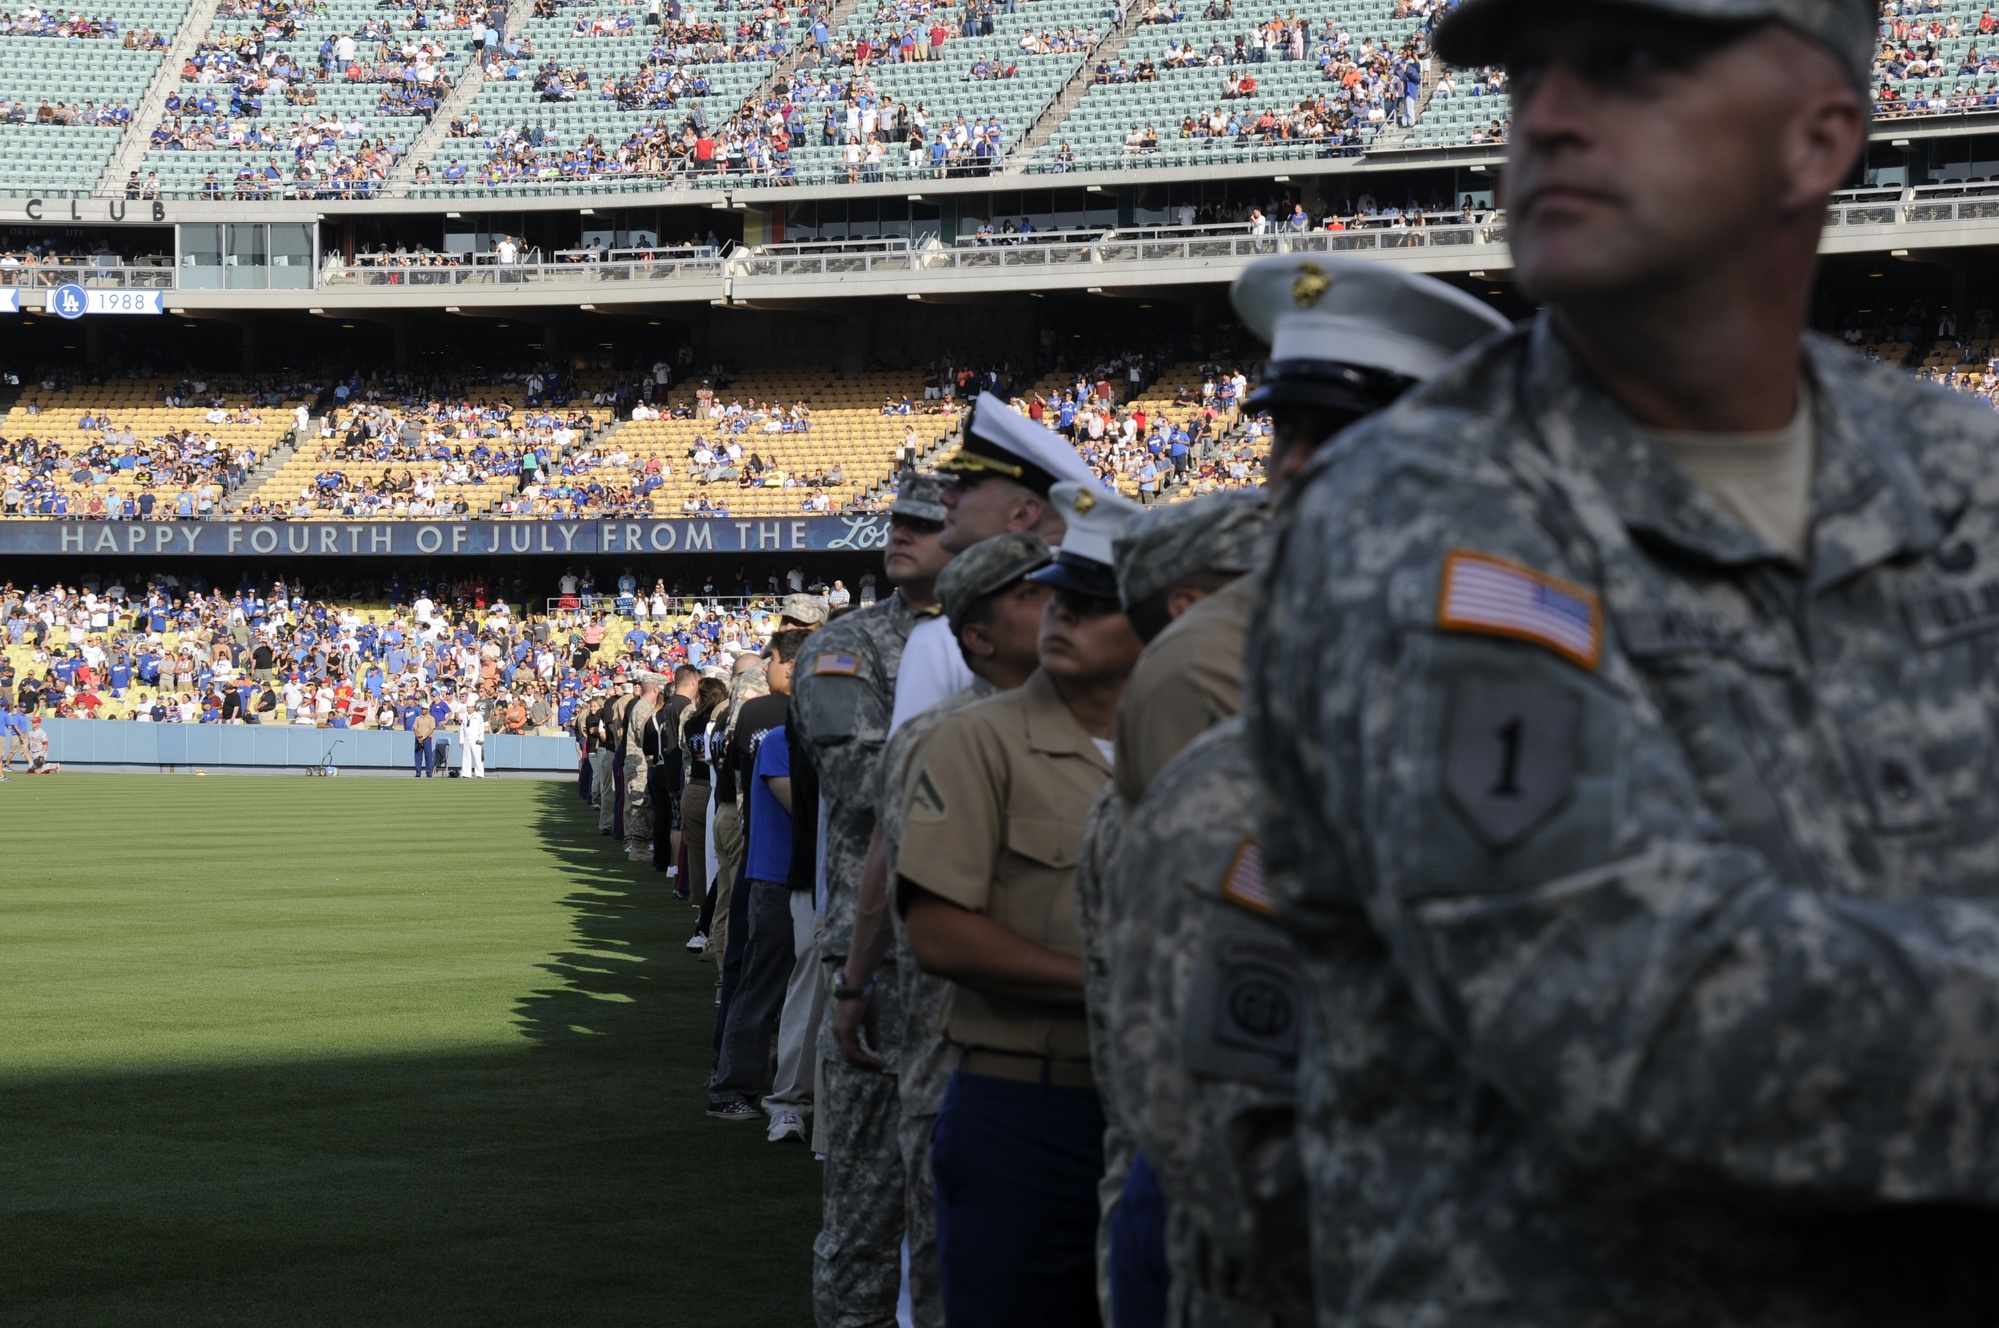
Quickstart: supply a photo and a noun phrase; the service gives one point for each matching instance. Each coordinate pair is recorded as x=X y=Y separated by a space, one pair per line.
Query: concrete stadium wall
x=280 y=747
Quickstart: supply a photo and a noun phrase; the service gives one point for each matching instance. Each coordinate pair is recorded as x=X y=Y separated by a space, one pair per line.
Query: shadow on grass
x=573 y=1183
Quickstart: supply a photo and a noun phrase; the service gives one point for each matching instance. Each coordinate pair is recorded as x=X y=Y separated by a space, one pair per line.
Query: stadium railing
x=157 y=275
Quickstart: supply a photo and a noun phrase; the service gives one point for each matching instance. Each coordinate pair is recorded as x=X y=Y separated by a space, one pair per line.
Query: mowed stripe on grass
x=363 y=1051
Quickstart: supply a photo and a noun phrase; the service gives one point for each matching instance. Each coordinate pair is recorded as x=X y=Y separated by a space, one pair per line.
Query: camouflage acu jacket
x=1645 y=883
x=842 y=694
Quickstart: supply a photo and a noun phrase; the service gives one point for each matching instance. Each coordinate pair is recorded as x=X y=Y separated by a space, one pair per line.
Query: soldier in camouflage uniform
x=638 y=800
x=842 y=698
x=1167 y=559
x=996 y=613
x=1196 y=980
x=1637 y=828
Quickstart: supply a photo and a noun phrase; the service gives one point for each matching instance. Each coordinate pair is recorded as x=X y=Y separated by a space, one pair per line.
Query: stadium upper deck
x=333 y=101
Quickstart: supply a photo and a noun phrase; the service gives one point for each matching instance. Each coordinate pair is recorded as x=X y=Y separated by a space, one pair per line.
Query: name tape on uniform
x=1481 y=593
x=844 y=666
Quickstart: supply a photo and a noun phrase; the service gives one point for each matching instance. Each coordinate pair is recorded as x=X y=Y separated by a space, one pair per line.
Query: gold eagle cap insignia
x=1312 y=283
x=1084 y=503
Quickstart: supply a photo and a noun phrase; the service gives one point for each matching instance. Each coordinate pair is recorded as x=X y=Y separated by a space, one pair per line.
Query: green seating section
x=1096 y=129
x=1453 y=121
x=503 y=102
x=38 y=158
x=181 y=172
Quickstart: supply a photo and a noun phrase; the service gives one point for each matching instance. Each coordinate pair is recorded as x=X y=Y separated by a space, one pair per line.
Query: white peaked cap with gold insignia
x=1001 y=441
x=1351 y=333
x=1086 y=563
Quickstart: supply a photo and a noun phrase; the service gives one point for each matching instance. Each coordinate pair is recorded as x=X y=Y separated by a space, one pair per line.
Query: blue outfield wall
x=84 y=742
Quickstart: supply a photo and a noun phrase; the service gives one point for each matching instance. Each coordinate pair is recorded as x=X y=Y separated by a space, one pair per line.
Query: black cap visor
x=1327 y=385
x=1079 y=576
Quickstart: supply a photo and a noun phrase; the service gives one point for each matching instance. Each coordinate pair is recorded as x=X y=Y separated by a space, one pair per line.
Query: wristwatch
x=843 y=992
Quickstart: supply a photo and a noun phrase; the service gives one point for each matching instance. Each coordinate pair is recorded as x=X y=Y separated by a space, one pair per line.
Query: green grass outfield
x=283 y=1051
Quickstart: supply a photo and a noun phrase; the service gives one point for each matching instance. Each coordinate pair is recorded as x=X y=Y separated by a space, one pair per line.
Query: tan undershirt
x=1763 y=480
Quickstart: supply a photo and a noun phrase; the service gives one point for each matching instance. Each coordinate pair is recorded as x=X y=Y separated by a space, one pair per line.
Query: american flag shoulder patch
x=1481 y=593
x=840 y=666
x=1244 y=883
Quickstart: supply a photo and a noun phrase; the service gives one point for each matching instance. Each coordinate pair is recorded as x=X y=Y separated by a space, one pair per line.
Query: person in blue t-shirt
x=770 y=940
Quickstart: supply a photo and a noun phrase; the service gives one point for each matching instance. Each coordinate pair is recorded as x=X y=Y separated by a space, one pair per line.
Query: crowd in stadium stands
x=180 y=473
x=247 y=655
x=536 y=443
x=64 y=113
x=33 y=21
x=116 y=473
x=1910 y=33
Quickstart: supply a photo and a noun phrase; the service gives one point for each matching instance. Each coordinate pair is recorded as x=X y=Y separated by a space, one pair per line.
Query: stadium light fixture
x=454 y=216
x=586 y=212
x=1478 y=170
x=652 y=322
x=1479 y=275
x=1899 y=143
x=1095 y=290
x=917 y=298
x=1898 y=253
x=182 y=313
x=912 y=198
x=1281 y=179
x=449 y=308
x=1093 y=189
x=587 y=308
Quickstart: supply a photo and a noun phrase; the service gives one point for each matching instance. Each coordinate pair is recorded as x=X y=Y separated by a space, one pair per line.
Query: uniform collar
x=1868 y=504
x=1051 y=728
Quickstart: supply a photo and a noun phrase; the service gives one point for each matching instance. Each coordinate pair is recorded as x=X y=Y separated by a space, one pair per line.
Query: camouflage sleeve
x=842 y=709
x=1527 y=837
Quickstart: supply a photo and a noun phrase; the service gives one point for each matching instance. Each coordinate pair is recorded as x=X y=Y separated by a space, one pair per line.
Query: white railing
x=1161 y=245
x=335 y=276
x=47 y=276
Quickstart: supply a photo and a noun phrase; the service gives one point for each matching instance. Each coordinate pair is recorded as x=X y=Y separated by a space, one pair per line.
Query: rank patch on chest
x=1245 y=885
x=1481 y=593
x=839 y=666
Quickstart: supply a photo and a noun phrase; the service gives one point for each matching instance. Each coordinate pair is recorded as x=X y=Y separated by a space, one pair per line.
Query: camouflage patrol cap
x=1163 y=546
x=1483 y=32
x=986 y=568
x=650 y=679
x=807 y=610
x=920 y=494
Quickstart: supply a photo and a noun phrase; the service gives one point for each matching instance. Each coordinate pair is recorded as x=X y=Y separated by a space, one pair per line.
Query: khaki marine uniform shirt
x=1189 y=678
x=994 y=824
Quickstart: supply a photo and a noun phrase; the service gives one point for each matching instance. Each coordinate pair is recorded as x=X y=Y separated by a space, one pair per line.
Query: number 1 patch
x=1510 y=755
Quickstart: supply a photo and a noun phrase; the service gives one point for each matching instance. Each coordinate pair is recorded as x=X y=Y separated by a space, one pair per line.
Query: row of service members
x=1588 y=919
x=965 y=733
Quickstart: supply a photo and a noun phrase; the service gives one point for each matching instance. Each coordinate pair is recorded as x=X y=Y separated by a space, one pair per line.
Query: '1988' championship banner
x=462 y=539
